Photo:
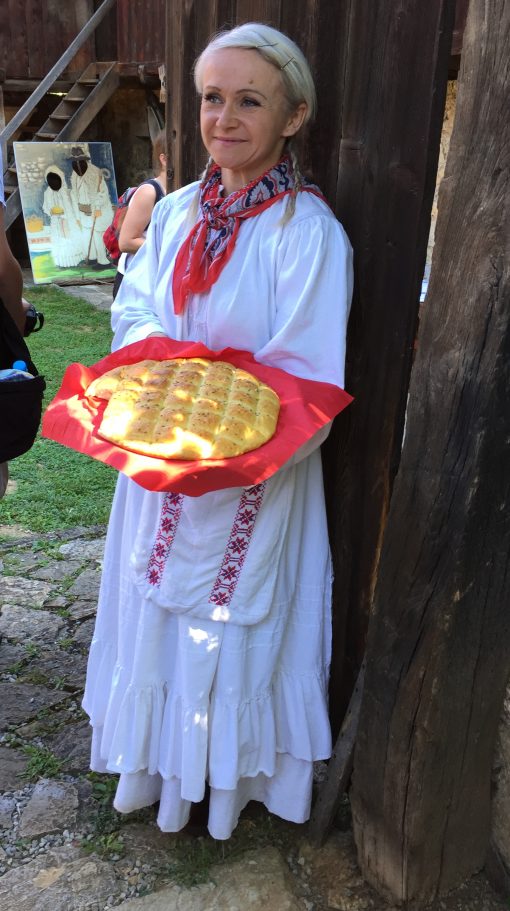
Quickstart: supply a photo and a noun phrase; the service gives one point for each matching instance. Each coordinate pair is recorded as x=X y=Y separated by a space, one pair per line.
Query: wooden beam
x=439 y=642
x=27 y=86
x=339 y=769
x=25 y=111
x=188 y=28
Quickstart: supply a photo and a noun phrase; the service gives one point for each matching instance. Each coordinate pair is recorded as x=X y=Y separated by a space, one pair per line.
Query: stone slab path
x=62 y=846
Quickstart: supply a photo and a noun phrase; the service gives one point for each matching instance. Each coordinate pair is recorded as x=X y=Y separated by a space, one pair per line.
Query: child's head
x=159 y=152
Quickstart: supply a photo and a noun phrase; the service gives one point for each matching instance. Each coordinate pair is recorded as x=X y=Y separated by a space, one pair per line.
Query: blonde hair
x=297 y=83
x=277 y=49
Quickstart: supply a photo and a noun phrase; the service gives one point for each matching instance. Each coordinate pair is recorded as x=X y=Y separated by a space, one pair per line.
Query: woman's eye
x=251 y=102
x=211 y=98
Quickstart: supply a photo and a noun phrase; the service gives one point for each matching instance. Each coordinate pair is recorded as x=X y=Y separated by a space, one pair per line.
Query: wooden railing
x=24 y=112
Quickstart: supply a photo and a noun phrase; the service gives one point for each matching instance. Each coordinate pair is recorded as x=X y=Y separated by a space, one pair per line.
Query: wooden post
x=188 y=28
x=83 y=11
x=439 y=639
x=393 y=97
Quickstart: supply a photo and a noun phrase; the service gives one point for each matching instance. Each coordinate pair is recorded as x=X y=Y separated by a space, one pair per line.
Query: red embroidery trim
x=169 y=520
x=237 y=547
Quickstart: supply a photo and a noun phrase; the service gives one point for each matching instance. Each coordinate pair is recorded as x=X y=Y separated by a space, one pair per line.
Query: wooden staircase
x=72 y=115
x=81 y=104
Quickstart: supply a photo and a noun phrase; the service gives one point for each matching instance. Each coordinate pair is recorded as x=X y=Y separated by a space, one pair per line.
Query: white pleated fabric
x=206 y=665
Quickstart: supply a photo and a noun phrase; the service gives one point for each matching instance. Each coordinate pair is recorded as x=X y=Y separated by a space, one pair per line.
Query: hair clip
x=290 y=60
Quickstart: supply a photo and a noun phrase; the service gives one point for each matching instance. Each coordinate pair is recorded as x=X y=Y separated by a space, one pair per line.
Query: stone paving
x=62 y=846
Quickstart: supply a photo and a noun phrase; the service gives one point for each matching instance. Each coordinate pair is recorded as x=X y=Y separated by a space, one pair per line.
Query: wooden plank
x=15 y=25
x=27 y=86
x=394 y=93
x=178 y=93
x=188 y=31
x=328 y=58
x=439 y=643
x=83 y=10
x=106 y=43
x=55 y=71
x=141 y=31
x=461 y=9
x=35 y=37
x=267 y=11
x=339 y=770
x=225 y=14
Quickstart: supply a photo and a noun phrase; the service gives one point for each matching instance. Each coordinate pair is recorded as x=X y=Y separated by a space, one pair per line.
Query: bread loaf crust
x=185 y=408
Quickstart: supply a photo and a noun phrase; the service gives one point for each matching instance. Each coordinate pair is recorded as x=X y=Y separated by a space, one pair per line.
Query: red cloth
x=305 y=406
x=210 y=243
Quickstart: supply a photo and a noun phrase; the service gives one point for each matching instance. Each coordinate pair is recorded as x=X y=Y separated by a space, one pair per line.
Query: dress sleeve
x=313 y=297
x=313 y=290
x=133 y=315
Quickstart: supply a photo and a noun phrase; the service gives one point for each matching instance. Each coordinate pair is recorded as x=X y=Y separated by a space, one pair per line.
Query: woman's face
x=244 y=117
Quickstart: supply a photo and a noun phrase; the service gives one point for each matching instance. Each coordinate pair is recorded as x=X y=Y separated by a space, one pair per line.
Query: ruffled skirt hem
x=153 y=729
x=287 y=794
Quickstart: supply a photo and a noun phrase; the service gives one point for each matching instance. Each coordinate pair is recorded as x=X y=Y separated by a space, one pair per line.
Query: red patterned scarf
x=210 y=243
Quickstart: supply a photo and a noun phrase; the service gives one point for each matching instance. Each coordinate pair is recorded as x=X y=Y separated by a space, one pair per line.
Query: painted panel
x=68 y=194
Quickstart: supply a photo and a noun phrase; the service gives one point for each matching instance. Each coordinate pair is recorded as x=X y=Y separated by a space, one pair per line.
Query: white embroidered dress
x=211 y=651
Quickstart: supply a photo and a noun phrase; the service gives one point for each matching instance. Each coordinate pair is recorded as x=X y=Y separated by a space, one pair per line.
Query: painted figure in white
x=95 y=210
x=65 y=228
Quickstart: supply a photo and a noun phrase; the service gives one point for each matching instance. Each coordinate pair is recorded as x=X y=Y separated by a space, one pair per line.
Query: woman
x=210 y=656
x=139 y=213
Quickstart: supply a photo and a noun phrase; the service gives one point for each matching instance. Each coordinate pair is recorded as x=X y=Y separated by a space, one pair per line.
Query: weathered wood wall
x=461 y=11
x=394 y=96
x=34 y=34
x=438 y=653
x=381 y=72
x=141 y=33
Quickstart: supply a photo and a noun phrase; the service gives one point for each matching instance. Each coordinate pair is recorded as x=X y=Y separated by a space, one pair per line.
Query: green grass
x=55 y=487
x=42 y=763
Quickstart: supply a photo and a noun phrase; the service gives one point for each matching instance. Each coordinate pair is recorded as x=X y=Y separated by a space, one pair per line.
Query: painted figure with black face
x=95 y=210
x=65 y=228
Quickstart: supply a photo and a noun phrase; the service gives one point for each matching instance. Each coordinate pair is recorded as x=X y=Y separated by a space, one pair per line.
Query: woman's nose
x=226 y=115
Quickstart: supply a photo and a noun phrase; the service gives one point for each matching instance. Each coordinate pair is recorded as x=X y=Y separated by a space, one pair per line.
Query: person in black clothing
x=11 y=288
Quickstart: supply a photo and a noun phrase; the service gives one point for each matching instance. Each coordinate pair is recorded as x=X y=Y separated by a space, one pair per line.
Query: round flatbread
x=185 y=408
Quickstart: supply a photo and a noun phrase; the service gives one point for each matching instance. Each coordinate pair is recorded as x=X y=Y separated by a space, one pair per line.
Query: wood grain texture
x=393 y=102
x=439 y=640
x=339 y=770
